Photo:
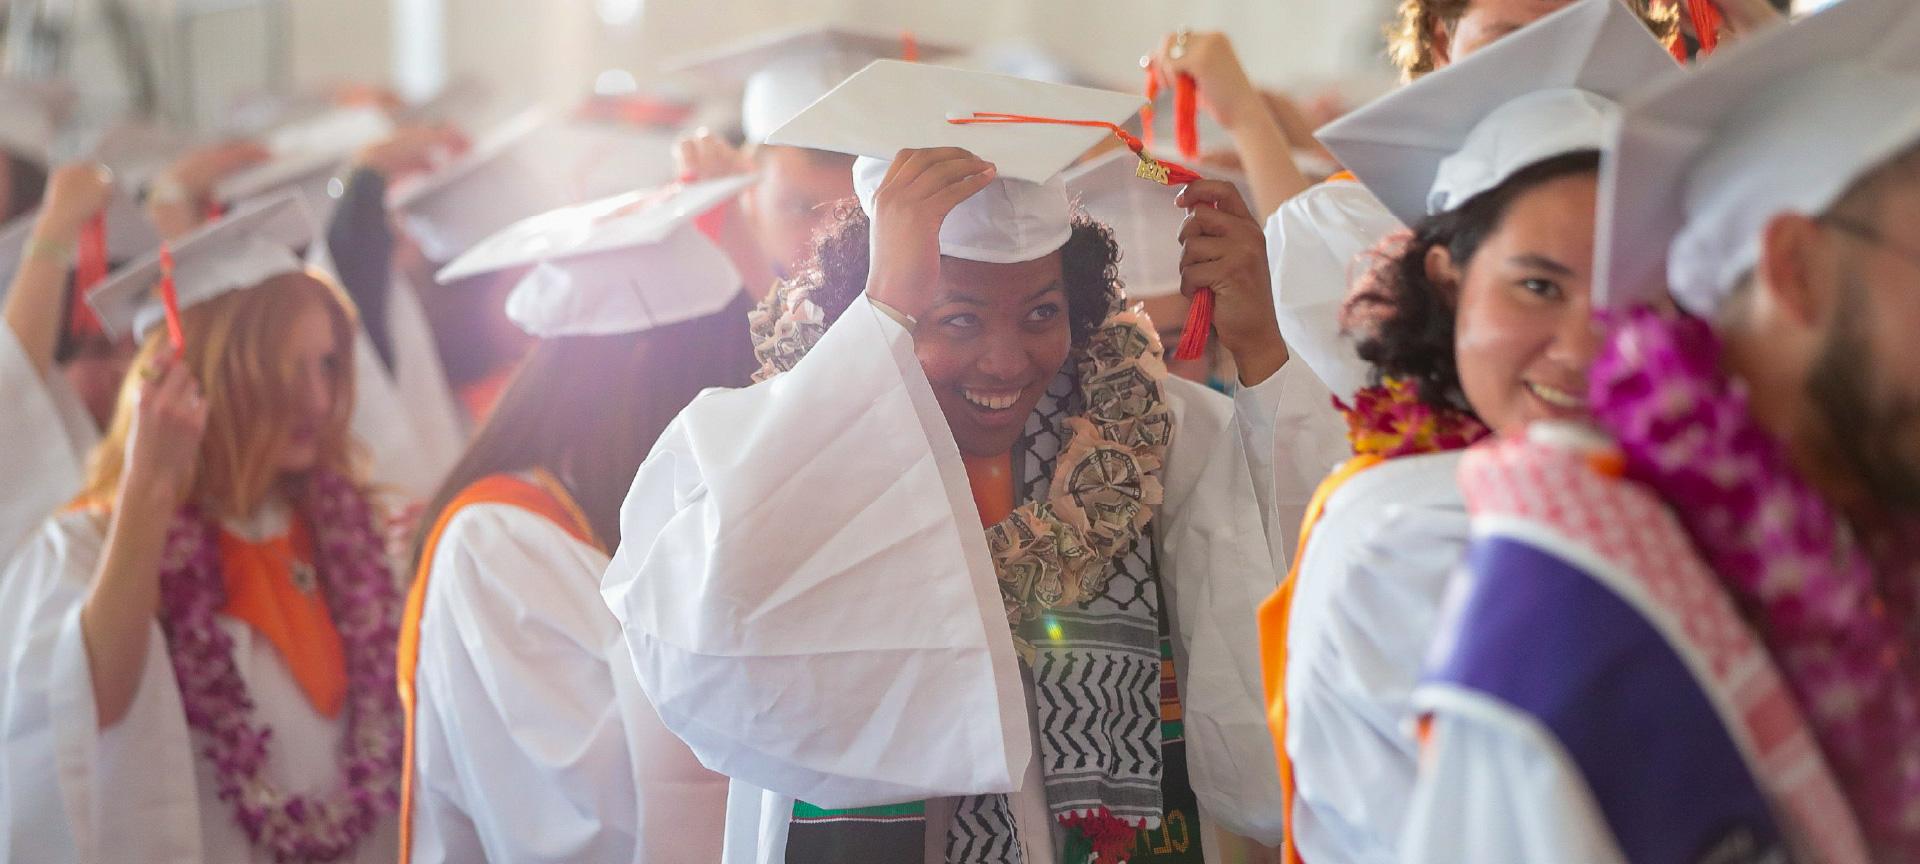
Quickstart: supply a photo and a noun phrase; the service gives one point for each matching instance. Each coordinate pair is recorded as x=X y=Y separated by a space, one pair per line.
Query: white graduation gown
x=45 y=435
x=1317 y=244
x=526 y=747
x=1373 y=579
x=137 y=791
x=807 y=597
x=1497 y=790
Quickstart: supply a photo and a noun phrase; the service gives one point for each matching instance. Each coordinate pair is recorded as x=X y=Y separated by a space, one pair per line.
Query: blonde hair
x=236 y=350
x=1410 y=36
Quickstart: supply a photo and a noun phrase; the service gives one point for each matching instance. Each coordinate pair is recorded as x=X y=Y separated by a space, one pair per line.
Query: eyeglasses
x=1870 y=234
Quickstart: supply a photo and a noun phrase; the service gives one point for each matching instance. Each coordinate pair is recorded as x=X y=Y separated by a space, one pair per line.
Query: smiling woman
x=964 y=481
x=996 y=334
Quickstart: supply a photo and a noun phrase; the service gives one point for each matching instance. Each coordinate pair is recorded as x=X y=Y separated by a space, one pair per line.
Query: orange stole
x=1275 y=614
x=1342 y=177
x=272 y=585
x=542 y=496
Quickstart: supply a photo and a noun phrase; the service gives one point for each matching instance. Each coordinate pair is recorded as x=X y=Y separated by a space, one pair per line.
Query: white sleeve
x=1216 y=565
x=1316 y=242
x=1495 y=789
x=72 y=791
x=1294 y=438
x=40 y=458
x=520 y=743
x=756 y=540
x=1372 y=582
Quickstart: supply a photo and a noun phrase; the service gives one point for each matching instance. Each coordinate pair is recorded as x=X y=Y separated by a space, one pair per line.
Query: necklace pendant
x=305 y=579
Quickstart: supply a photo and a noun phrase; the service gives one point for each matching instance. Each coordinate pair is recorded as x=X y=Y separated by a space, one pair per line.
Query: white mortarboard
x=1024 y=213
x=129 y=234
x=1784 y=121
x=498 y=182
x=240 y=251
x=589 y=160
x=136 y=151
x=1143 y=216
x=34 y=112
x=785 y=71
x=1547 y=90
x=623 y=264
x=305 y=156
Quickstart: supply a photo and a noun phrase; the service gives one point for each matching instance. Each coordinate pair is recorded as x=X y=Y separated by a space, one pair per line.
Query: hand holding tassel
x=1224 y=255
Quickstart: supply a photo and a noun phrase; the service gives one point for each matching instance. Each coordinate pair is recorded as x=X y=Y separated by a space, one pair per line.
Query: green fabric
x=803 y=810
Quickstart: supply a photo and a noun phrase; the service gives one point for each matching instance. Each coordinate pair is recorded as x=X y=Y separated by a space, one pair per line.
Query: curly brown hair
x=1410 y=36
x=1089 y=265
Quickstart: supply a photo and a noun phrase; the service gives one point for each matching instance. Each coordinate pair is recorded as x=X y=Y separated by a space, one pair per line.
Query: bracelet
x=903 y=319
x=59 y=252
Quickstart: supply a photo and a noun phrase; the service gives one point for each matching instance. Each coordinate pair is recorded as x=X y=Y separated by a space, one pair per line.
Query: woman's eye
x=964 y=320
x=1044 y=312
x=1543 y=288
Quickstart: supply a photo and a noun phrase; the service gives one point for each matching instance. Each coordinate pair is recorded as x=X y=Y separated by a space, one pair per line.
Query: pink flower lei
x=365 y=606
x=1837 y=617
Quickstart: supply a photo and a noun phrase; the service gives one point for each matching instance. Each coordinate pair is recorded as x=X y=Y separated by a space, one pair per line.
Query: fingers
x=1217 y=275
x=940 y=175
x=1200 y=250
x=1219 y=194
x=1209 y=222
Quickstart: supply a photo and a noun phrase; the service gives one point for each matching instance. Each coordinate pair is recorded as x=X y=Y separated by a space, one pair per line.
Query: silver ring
x=1179 y=49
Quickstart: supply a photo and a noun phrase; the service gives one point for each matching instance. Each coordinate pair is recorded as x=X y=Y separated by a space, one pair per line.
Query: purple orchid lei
x=1834 y=614
x=365 y=605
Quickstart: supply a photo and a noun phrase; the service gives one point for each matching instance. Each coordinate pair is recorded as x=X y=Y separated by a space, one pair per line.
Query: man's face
x=1864 y=383
x=794 y=199
x=1486 y=21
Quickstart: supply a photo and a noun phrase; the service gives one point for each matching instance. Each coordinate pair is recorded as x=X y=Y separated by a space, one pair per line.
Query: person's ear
x=1444 y=273
x=1795 y=257
x=1441 y=38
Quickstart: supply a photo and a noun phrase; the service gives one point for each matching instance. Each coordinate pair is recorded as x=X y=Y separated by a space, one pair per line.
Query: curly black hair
x=1415 y=341
x=1089 y=264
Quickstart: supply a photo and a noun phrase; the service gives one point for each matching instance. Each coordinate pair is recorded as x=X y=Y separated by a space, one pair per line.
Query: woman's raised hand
x=163 y=443
x=921 y=187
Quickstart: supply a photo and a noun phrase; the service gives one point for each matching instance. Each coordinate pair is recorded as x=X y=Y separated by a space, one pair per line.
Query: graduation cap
x=500 y=180
x=1024 y=213
x=34 y=112
x=783 y=72
x=306 y=153
x=249 y=246
x=623 y=264
x=1550 y=89
x=1784 y=121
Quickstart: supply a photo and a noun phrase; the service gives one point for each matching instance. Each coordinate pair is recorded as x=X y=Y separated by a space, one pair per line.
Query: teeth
x=992 y=401
x=1556 y=397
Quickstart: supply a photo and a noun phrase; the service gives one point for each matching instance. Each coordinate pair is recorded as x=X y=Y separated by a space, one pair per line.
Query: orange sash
x=991 y=478
x=272 y=585
x=543 y=496
x=1343 y=176
x=1275 y=615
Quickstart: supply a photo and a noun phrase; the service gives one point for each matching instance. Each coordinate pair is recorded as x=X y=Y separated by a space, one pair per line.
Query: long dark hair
x=589 y=408
x=1089 y=265
x=1415 y=341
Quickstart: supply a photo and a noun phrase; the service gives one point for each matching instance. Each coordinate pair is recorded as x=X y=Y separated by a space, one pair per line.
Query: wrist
x=1257 y=361
x=53 y=246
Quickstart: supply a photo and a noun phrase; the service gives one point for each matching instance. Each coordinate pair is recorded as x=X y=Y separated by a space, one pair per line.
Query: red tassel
x=215 y=211
x=1186 y=121
x=1193 y=339
x=170 y=301
x=711 y=222
x=89 y=269
x=1706 y=24
x=909 y=47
